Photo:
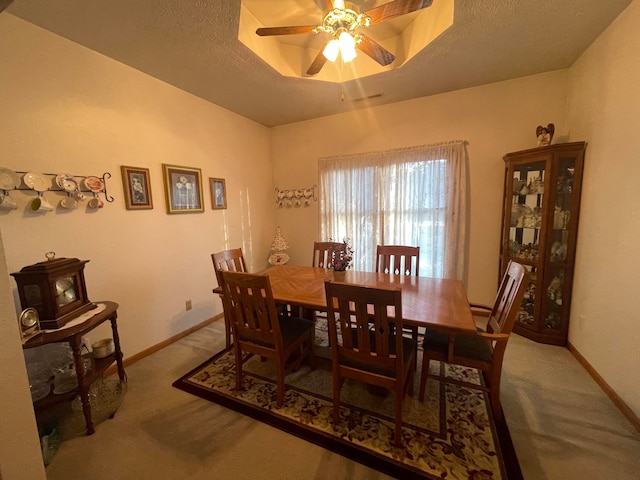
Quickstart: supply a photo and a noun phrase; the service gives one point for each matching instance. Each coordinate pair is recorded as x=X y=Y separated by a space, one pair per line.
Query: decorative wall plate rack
x=75 y=188
x=296 y=197
x=55 y=182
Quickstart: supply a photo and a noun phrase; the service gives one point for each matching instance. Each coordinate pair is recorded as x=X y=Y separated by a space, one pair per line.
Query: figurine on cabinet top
x=545 y=134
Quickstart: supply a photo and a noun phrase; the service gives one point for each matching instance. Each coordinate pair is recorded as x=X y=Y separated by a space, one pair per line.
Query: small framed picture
x=137 y=191
x=183 y=189
x=218 y=193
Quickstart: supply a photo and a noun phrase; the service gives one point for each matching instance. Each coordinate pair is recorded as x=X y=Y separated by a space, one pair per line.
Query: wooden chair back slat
x=323 y=253
x=398 y=259
x=228 y=260
x=370 y=348
x=232 y=261
x=254 y=315
x=257 y=328
x=369 y=316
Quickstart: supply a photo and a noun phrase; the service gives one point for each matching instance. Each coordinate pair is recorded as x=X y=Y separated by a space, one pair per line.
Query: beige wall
x=494 y=119
x=68 y=109
x=18 y=431
x=604 y=108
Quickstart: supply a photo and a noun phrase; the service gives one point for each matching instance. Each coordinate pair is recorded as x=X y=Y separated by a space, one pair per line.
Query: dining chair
x=364 y=347
x=233 y=261
x=398 y=259
x=485 y=349
x=259 y=330
x=323 y=253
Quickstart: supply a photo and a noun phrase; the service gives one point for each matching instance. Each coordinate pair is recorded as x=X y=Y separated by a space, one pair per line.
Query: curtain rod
x=396 y=150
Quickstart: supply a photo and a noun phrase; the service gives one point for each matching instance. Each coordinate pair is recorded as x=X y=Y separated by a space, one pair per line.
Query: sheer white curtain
x=414 y=196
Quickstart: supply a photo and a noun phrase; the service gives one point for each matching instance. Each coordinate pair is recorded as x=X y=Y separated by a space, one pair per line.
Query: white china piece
x=95 y=202
x=69 y=185
x=60 y=179
x=93 y=184
x=8 y=179
x=36 y=181
x=7 y=203
x=40 y=204
x=69 y=202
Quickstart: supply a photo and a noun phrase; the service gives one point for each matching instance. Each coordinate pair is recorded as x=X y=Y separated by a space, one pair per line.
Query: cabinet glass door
x=560 y=231
x=525 y=229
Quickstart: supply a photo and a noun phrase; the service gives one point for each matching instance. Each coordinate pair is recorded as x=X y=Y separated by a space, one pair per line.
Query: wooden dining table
x=435 y=303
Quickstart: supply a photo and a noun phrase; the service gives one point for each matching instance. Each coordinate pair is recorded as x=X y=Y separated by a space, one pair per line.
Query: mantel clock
x=55 y=288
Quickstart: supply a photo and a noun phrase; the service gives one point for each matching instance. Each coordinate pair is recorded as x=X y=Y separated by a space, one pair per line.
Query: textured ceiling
x=193 y=45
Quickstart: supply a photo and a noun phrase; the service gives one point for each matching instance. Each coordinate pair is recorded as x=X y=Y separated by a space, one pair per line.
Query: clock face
x=28 y=319
x=65 y=291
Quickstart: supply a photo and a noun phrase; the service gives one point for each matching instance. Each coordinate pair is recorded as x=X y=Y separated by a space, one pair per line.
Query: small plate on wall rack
x=36 y=181
x=66 y=183
x=8 y=179
x=93 y=184
x=61 y=178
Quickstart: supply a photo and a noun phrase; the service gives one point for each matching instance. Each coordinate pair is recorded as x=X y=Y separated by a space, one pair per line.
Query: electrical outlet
x=188 y=305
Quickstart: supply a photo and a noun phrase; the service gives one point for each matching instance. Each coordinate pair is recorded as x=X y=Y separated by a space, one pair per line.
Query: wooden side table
x=73 y=335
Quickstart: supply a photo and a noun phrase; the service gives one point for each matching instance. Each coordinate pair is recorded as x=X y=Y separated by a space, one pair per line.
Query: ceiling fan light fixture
x=347 y=46
x=347 y=42
x=331 y=50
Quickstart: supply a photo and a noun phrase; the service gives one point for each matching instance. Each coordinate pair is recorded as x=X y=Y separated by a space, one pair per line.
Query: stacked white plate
x=8 y=179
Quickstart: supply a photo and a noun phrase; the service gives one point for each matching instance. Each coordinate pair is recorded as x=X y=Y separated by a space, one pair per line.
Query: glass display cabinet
x=540 y=223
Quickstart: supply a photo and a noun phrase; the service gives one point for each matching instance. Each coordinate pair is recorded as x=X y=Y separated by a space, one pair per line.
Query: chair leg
x=398 y=430
x=238 y=357
x=281 y=374
x=337 y=385
x=423 y=377
x=309 y=353
x=227 y=331
x=494 y=394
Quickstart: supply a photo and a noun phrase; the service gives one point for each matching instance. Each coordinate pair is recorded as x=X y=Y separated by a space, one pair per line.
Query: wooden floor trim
x=615 y=398
x=145 y=353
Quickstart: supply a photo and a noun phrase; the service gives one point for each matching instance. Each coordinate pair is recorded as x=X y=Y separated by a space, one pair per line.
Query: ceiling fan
x=344 y=21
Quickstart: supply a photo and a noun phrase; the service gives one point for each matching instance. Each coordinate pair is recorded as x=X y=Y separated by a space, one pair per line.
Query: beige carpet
x=563 y=427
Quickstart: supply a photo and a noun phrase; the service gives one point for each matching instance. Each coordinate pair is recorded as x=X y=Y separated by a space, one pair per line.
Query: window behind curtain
x=400 y=197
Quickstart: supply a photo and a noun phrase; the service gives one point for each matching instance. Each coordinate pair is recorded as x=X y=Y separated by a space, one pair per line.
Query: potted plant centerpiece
x=341 y=259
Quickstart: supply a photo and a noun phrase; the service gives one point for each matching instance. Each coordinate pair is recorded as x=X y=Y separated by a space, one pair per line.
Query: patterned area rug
x=451 y=435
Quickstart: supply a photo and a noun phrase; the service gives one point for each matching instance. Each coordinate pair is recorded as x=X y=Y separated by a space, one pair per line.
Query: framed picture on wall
x=218 y=193
x=183 y=189
x=137 y=190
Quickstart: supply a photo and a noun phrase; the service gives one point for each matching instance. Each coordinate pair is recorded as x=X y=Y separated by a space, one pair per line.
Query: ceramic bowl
x=103 y=348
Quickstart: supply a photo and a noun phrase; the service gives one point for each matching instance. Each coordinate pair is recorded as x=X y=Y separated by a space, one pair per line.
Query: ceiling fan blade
x=395 y=9
x=317 y=64
x=376 y=51
x=266 y=31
